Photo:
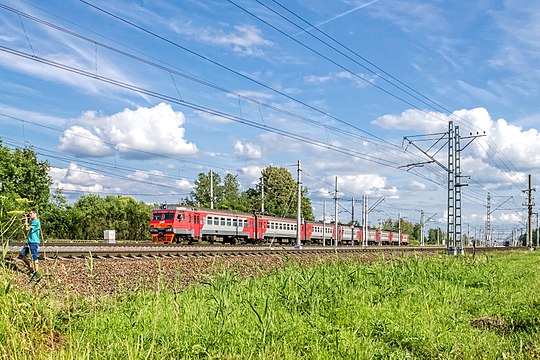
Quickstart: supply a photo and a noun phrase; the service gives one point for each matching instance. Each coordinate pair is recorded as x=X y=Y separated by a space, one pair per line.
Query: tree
x=91 y=215
x=22 y=175
x=201 y=191
x=56 y=221
x=434 y=236
x=280 y=194
x=250 y=200
x=231 y=199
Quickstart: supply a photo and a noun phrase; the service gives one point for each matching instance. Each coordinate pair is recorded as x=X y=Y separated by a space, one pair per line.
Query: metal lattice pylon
x=451 y=240
x=457 y=193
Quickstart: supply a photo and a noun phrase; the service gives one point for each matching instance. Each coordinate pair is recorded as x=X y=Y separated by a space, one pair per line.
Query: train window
x=209 y=220
x=189 y=218
x=222 y=221
x=235 y=222
x=157 y=216
x=228 y=222
x=169 y=216
x=180 y=217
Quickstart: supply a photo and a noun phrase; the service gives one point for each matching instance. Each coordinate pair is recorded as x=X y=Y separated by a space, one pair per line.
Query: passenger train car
x=173 y=223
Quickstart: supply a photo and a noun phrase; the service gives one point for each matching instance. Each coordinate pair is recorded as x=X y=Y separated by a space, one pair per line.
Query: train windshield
x=157 y=216
x=169 y=216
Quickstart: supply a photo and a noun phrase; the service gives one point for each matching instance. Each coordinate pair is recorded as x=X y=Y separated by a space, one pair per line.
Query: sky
x=139 y=97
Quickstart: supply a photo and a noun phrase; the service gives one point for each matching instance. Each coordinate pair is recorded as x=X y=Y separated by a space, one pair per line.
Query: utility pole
x=399 y=228
x=421 y=227
x=489 y=232
x=324 y=223
x=366 y=219
x=352 y=221
x=365 y=227
x=211 y=189
x=537 y=231
x=529 y=213
x=468 y=234
x=488 y=221
x=336 y=215
x=262 y=194
x=299 y=210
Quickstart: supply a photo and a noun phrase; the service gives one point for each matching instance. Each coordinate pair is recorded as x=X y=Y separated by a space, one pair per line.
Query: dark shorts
x=32 y=248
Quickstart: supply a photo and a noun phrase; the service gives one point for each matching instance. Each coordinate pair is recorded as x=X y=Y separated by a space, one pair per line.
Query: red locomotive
x=173 y=223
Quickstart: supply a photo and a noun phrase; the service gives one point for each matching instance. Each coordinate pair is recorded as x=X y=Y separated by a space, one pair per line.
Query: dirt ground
x=97 y=277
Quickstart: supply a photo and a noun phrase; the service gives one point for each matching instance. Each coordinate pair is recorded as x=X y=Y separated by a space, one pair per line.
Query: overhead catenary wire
x=428 y=101
x=499 y=153
x=209 y=84
x=236 y=72
x=201 y=108
x=71 y=33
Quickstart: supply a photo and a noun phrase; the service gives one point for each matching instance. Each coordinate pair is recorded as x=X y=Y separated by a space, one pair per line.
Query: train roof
x=169 y=207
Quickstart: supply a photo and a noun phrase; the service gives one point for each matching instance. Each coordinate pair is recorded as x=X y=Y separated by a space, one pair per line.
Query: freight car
x=173 y=223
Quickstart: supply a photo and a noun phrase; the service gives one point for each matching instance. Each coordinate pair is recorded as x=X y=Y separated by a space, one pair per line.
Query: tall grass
x=417 y=308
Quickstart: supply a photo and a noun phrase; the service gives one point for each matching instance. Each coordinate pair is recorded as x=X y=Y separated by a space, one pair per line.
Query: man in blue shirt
x=32 y=244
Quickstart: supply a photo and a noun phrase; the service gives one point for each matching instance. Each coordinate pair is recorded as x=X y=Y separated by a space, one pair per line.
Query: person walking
x=32 y=244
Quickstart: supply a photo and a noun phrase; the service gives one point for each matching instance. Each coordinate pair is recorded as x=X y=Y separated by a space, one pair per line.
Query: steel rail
x=142 y=250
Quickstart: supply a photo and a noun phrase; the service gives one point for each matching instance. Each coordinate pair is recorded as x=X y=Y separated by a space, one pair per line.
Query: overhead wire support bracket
x=426 y=152
x=472 y=137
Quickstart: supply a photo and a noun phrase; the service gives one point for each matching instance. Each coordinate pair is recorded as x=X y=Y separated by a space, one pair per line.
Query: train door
x=262 y=228
x=308 y=231
x=197 y=225
x=251 y=228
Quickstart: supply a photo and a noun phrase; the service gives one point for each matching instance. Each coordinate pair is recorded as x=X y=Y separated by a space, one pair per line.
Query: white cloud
x=368 y=184
x=476 y=92
x=75 y=178
x=252 y=174
x=80 y=141
x=212 y=118
x=247 y=150
x=133 y=133
x=256 y=95
x=244 y=40
x=410 y=15
x=184 y=184
x=414 y=120
x=151 y=183
x=360 y=80
x=27 y=115
x=501 y=159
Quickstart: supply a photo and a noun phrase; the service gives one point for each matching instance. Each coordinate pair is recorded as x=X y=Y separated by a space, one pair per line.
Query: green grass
x=417 y=308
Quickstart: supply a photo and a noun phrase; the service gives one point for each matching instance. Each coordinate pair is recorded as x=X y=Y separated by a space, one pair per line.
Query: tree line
x=25 y=183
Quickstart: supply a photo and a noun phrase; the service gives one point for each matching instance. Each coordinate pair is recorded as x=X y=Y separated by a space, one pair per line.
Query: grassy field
x=443 y=307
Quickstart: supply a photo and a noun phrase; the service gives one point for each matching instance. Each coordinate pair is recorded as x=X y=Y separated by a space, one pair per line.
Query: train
x=185 y=224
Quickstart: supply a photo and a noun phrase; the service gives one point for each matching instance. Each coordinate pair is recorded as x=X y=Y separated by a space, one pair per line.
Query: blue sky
x=235 y=86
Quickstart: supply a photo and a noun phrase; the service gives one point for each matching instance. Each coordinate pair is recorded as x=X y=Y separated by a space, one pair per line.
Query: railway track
x=141 y=250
